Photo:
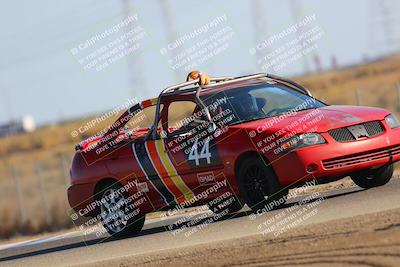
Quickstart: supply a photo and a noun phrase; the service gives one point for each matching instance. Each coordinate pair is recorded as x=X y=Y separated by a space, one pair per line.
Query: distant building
x=24 y=125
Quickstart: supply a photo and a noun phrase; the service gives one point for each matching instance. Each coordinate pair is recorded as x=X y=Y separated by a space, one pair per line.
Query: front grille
x=373 y=128
x=359 y=158
x=341 y=135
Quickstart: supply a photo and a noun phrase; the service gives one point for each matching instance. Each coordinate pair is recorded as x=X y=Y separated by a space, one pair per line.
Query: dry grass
x=377 y=84
x=34 y=176
x=32 y=197
x=43 y=192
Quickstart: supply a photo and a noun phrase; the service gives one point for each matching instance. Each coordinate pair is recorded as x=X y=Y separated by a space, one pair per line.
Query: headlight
x=392 y=121
x=302 y=140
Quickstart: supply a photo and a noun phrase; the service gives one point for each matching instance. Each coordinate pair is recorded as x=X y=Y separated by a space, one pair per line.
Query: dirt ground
x=366 y=240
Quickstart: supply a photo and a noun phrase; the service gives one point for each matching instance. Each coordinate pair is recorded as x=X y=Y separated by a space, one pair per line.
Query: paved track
x=74 y=248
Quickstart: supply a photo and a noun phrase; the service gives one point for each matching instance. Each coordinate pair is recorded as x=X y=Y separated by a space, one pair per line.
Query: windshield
x=258 y=102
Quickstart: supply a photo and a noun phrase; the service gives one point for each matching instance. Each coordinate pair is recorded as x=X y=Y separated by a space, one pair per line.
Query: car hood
x=325 y=119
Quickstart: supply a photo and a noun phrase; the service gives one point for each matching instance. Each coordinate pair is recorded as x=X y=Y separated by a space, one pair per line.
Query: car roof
x=189 y=93
x=217 y=88
x=187 y=90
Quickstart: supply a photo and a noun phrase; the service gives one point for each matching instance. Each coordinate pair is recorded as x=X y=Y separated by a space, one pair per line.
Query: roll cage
x=181 y=88
x=187 y=87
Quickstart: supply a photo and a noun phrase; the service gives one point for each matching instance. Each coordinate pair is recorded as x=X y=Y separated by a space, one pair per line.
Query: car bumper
x=80 y=198
x=336 y=159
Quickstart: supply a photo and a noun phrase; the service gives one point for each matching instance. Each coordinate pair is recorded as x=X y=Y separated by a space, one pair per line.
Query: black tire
x=231 y=204
x=257 y=181
x=373 y=178
x=120 y=225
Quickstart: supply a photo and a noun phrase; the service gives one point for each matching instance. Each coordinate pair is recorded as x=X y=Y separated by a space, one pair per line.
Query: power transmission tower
x=260 y=25
x=384 y=31
x=135 y=64
x=172 y=34
x=296 y=8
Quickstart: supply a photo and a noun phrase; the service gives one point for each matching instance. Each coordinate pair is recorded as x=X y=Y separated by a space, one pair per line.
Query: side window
x=179 y=115
x=143 y=118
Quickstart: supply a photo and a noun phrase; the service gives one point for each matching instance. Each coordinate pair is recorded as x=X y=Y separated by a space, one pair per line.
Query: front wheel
x=259 y=186
x=117 y=214
x=373 y=178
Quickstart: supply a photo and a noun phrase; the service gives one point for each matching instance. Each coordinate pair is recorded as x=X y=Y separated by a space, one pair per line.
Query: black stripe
x=148 y=167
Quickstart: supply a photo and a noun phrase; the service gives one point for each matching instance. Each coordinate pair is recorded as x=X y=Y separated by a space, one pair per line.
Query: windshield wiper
x=307 y=109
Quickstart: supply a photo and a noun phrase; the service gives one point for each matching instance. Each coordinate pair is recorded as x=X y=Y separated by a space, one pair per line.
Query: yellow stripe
x=148 y=103
x=172 y=173
x=154 y=101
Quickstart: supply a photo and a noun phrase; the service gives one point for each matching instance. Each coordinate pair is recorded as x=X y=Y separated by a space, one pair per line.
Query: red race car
x=225 y=142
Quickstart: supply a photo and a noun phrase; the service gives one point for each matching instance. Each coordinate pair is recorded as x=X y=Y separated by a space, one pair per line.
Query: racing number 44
x=204 y=153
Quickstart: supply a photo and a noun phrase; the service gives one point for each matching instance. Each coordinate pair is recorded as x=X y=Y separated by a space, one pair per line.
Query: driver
x=247 y=106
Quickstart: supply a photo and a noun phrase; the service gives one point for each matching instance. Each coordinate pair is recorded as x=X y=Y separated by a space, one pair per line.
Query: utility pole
x=398 y=96
x=358 y=97
x=43 y=193
x=18 y=191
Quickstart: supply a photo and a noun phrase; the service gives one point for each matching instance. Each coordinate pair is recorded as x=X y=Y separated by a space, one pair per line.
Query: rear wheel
x=259 y=186
x=373 y=178
x=117 y=213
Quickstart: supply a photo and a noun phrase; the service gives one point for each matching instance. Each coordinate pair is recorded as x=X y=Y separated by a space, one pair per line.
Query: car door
x=191 y=144
x=156 y=167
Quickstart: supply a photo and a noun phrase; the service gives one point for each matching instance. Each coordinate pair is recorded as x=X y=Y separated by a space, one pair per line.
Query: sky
x=43 y=44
